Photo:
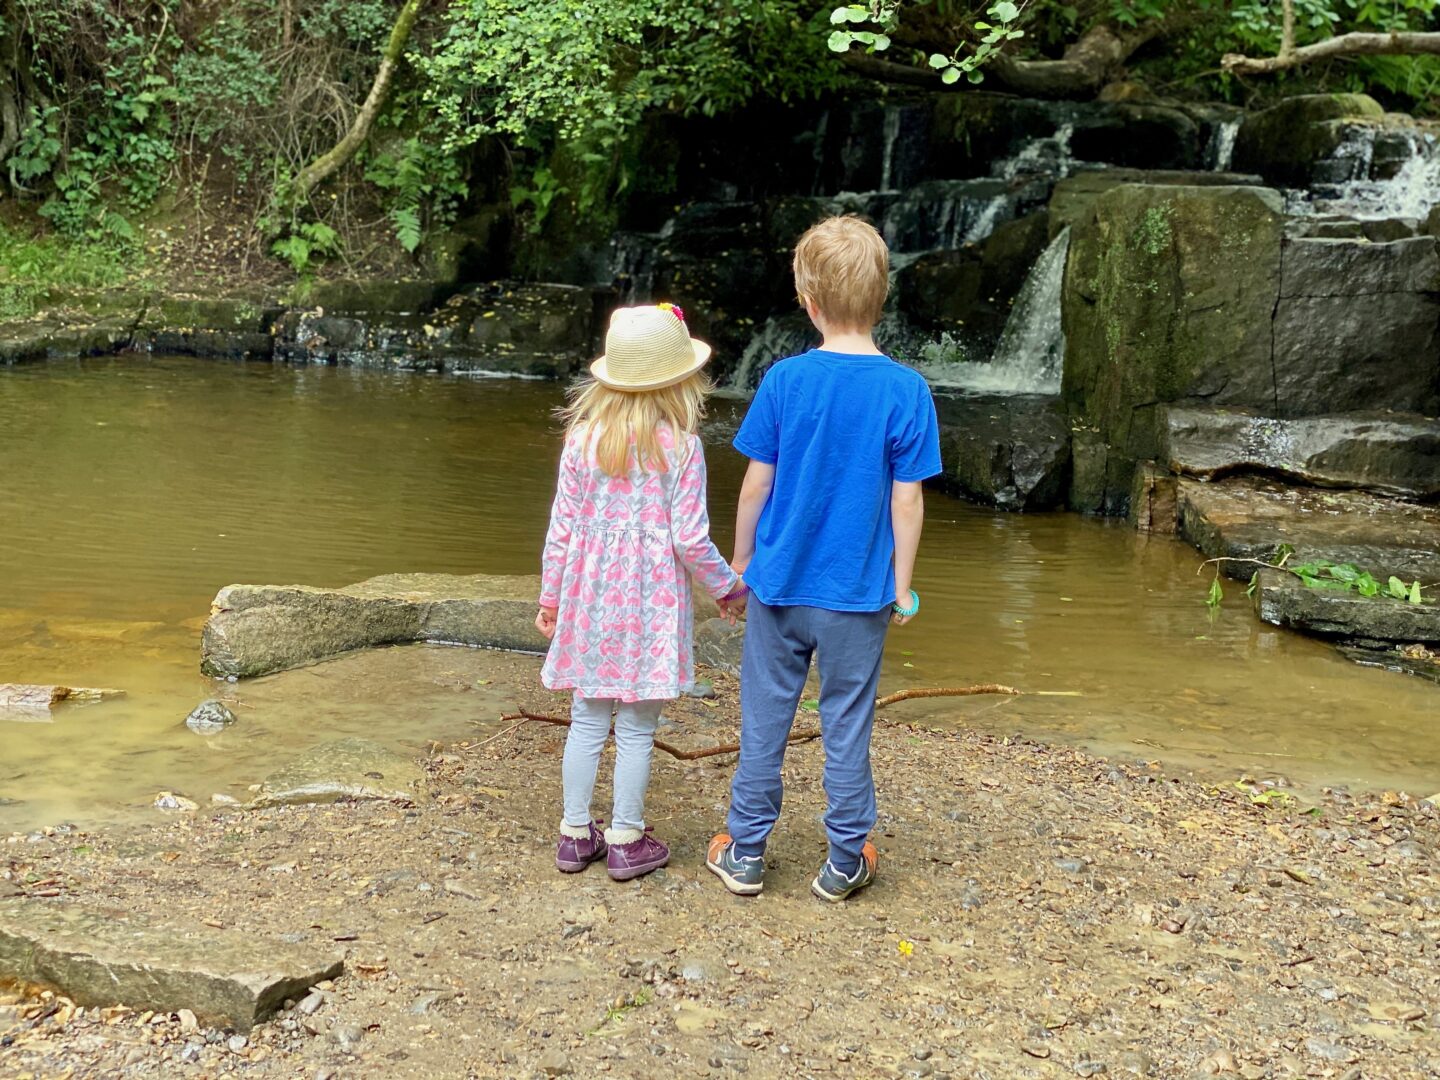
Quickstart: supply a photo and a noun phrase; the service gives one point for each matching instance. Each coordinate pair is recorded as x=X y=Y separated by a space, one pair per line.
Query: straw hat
x=647 y=348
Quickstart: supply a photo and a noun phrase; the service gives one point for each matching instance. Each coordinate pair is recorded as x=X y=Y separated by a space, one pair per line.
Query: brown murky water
x=131 y=489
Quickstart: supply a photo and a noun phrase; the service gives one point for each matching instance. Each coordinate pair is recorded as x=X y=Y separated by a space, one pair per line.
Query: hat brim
x=600 y=369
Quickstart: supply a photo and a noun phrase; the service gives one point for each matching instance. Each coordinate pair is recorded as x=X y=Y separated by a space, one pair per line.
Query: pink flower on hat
x=666 y=306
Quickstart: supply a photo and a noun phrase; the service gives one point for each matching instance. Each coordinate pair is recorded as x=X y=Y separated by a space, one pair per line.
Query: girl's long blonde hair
x=625 y=417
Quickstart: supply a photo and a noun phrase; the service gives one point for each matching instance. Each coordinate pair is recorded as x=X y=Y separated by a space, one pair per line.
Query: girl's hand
x=545 y=621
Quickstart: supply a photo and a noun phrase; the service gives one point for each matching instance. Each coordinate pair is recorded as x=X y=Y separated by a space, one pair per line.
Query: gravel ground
x=1040 y=913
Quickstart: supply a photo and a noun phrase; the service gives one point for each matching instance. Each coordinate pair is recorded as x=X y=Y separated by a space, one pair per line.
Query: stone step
x=1249 y=518
x=1389 y=453
x=104 y=957
x=258 y=629
x=1284 y=600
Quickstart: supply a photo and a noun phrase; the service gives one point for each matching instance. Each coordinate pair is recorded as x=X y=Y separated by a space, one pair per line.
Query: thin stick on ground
x=524 y=717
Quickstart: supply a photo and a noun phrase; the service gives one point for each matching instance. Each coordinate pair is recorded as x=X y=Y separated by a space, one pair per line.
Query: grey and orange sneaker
x=575 y=853
x=830 y=884
x=743 y=876
x=632 y=858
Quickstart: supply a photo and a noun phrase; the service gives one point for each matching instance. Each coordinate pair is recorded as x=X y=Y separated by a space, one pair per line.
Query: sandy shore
x=1041 y=912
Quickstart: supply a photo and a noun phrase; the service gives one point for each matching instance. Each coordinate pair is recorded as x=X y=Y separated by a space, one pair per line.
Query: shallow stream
x=133 y=488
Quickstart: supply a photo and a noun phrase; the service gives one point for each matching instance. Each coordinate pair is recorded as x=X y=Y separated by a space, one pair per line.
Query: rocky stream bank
x=1041 y=912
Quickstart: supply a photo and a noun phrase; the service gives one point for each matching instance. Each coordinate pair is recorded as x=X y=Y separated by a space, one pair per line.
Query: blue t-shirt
x=838 y=427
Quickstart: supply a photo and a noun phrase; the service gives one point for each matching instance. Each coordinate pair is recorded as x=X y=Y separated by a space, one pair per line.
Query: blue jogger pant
x=779 y=642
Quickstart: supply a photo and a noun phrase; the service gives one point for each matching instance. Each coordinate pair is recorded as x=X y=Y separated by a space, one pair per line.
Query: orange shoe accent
x=870 y=856
x=717 y=845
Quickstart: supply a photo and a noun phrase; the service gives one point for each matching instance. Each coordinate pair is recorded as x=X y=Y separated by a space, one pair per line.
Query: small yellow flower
x=905 y=947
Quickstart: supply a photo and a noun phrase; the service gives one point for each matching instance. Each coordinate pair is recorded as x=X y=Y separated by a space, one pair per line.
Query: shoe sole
x=739 y=888
x=837 y=898
x=631 y=872
x=574 y=867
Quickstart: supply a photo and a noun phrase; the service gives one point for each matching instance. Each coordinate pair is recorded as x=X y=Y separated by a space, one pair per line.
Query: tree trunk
x=327 y=163
x=1087 y=65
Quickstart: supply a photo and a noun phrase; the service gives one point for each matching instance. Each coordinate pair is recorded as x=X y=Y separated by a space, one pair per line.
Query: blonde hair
x=842 y=266
x=625 y=417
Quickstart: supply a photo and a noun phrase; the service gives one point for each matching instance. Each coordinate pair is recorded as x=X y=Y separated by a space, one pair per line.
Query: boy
x=839 y=439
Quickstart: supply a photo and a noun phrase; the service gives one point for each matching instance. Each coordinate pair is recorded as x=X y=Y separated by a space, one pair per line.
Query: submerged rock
x=105 y=957
x=1393 y=454
x=259 y=629
x=1284 y=600
x=1012 y=452
x=341 y=769
x=209 y=717
x=30 y=697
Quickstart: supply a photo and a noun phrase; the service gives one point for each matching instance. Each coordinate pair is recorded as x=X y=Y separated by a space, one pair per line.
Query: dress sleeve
x=562 y=520
x=690 y=527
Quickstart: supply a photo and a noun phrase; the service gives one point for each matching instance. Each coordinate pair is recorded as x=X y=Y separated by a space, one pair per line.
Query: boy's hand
x=545 y=621
x=900 y=620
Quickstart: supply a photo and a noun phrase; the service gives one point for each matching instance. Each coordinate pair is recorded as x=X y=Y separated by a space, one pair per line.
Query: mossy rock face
x=1168 y=296
x=1284 y=143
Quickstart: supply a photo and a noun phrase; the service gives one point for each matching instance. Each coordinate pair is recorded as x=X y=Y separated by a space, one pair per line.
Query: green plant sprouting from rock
x=1318 y=573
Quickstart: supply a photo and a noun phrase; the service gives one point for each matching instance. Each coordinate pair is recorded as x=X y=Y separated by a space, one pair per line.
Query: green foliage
x=1320 y=574
x=423 y=185
x=32 y=262
x=311 y=242
x=967 y=59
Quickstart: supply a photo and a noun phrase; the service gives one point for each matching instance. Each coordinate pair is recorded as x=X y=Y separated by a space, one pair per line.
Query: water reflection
x=136 y=487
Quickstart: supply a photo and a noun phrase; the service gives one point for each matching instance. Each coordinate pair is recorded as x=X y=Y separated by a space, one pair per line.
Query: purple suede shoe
x=638 y=857
x=576 y=853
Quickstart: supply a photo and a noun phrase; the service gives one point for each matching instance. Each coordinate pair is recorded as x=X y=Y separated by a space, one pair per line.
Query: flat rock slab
x=1389 y=453
x=1248 y=518
x=1395 y=660
x=33 y=698
x=1284 y=600
x=341 y=769
x=259 y=629
x=110 y=957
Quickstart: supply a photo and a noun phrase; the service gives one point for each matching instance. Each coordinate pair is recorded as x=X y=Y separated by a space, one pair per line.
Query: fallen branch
x=945 y=691
x=524 y=717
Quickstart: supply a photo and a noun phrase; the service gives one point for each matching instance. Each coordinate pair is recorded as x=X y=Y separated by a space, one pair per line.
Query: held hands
x=732 y=605
x=545 y=621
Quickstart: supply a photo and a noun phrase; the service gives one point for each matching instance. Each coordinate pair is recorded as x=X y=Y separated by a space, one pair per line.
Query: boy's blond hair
x=626 y=421
x=842 y=266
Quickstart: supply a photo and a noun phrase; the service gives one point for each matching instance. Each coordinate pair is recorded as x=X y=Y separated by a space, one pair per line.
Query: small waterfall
x=632 y=266
x=1221 y=150
x=780 y=336
x=892 y=135
x=1030 y=355
x=1046 y=157
x=1410 y=189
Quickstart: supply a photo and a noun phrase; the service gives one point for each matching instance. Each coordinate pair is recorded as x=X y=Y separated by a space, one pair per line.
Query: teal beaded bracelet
x=913 y=609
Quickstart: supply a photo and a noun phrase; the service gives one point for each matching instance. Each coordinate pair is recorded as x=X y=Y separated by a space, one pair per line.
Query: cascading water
x=1030 y=355
x=1373 y=186
x=1221 y=150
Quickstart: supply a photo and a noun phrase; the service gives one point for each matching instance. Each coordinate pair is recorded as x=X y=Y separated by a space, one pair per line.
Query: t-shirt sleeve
x=759 y=434
x=915 y=445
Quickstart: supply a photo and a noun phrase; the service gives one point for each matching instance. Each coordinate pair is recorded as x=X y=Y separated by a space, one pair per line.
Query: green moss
x=1154 y=233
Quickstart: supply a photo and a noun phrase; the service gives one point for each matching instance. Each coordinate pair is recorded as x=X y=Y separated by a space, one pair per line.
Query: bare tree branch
x=1395 y=43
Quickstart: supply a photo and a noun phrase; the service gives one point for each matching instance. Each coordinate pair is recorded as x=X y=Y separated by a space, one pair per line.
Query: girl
x=627 y=530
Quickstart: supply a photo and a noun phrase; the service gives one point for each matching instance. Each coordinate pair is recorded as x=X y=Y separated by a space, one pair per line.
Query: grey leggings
x=635 y=724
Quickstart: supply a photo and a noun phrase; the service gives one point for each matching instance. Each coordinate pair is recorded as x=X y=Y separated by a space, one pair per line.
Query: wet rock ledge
x=259 y=629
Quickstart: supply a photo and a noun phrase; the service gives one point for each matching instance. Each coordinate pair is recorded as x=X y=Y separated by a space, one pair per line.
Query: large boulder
x=258 y=629
x=1285 y=142
x=1284 y=600
x=1168 y=297
x=1357 y=326
x=1244 y=518
x=1138 y=135
x=1012 y=452
x=1393 y=454
x=1072 y=197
